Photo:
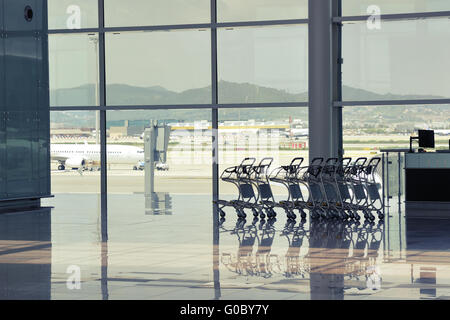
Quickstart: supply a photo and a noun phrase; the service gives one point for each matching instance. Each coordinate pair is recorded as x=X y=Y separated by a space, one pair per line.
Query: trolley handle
x=248 y=162
x=297 y=161
x=317 y=161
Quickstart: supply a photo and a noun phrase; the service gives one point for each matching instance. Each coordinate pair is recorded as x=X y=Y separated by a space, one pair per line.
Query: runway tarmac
x=182 y=178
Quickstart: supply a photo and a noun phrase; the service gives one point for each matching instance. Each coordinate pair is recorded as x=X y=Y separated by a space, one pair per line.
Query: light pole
x=94 y=39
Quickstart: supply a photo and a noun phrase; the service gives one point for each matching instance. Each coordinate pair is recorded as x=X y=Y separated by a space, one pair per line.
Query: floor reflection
x=25 y=255
x=187 y=255
x=333 y=256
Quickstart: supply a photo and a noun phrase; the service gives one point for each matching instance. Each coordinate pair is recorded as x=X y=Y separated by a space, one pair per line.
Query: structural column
x=325 y=123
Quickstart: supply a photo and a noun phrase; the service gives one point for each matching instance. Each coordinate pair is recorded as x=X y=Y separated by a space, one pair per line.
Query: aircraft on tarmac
x=442 y=132
x=296 y=133
x=78 y=156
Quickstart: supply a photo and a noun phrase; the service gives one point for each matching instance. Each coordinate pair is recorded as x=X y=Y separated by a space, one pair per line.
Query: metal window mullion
x=396 y=16
x=390 y=102
x=215 y=148
x=213 y=25
x=103 y=138
x=186 y=106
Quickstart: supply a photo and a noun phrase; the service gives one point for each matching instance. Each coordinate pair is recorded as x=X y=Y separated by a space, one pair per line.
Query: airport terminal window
x=403 y=60
x=119 y=13
x=158 y=68
x=72 y=14
x=257 y=10
x=278 y=133
x=182 y=165
x=367 y=130
x=367 y=7
x=75 y=152
x=263 y=64
x=74 y=69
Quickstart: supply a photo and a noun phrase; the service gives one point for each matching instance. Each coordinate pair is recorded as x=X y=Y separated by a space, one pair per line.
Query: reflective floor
x=173 y=253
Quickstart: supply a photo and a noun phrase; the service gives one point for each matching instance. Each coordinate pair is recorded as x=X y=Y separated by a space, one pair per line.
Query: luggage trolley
x=332 y=196
x=375 y=202
x=240 y=177
x=288 y=177
x=266 y=200
x=310 y=177
x=344 y=188
x=356 y=177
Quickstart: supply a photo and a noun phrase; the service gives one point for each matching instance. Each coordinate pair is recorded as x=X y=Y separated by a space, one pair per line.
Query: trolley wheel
x=303 y=215
x=222 y=213
x=371 y=217
x=221 y=221
x=380 y=215
x=262 y=215
x=291 y=215
x=352 y=215
x=241 y=214
x=357 y=217
x=255 y=213
x=273 y=214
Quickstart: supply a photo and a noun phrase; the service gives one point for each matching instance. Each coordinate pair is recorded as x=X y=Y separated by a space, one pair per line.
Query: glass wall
x=162 y=61
x=72 y=14
x=263 y=64
x=368 y=129
x=74 y=70
x=75 y=153
x=259 y=10
x=402 y=60
x=119 y=13
x=367 y=7
x=280 y=134
x=181 y=146
x=158 y=68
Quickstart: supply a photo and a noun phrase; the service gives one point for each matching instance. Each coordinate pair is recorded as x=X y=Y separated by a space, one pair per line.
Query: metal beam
x=215 y=150
x=213 y=25
x=391 y=102
x=322 y=131
x=185 y=106
x=338 y=140
x=396 y=16
x=103 y=138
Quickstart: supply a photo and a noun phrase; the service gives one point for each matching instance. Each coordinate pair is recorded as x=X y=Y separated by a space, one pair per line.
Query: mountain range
x=229 y=92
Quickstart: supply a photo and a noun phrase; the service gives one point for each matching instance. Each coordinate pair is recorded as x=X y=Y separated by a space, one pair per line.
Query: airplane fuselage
x=117 y=154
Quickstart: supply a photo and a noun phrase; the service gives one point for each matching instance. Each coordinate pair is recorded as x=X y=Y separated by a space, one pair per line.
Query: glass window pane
x=368 y=7
x=158 y=68
x=264 y=64
x=75 y=152
x=258 y=10
x=402 y=60
x=369 y=129
x=279 y=133
x=72 y=14
x=74 y=70
x=156 y=12
x=182 y=167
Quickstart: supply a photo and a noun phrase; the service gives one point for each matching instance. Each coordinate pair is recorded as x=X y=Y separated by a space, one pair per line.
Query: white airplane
x=77 y=156
x=442 y=132
x=296 y=133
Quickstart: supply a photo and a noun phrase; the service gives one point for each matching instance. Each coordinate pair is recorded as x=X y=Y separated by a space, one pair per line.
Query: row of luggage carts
x=326 y=189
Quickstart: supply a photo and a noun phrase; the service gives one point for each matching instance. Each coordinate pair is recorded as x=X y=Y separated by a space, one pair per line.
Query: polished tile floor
x=176 y=254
